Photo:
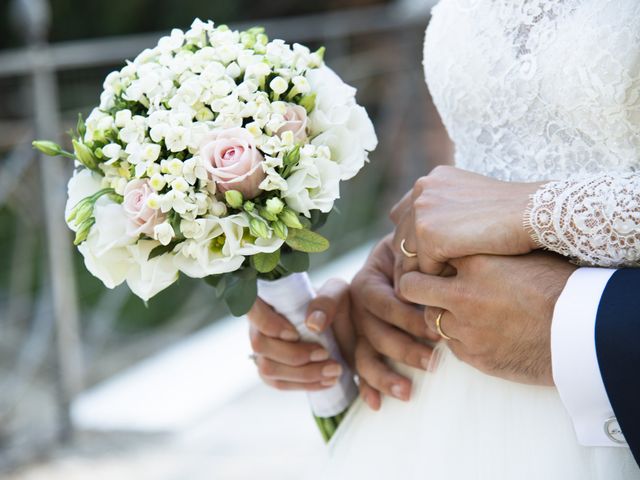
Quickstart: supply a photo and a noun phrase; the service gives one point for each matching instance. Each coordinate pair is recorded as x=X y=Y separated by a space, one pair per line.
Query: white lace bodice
x=534 y=90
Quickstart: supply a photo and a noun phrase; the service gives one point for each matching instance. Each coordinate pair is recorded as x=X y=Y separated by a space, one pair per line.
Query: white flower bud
x=174 y=166
x=204 y=115
x=157 y=182
x=274 y=206
x=150 y=152
x=288 y=138
x=163 y=233
x=254 y=129
x=301 y=84
x=112 y=151
x=218 y=209
x=279 y=85
x=122 y=118
x=153 y=169
x=233 y=70
x=279 y=107
x=119 y=185
x=153 y=201
x=180 y=184
x=258 y=70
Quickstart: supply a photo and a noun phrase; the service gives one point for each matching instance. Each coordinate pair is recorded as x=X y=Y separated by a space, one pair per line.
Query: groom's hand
x=286 y=363
x=497 y=310
x=387 y=328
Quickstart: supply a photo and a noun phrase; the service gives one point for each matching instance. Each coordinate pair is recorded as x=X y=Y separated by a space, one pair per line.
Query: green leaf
x=219 y=282
x=295 y=262
x=307 y=241
x=318 y=219
x=241 y=291
x=265 y=262
x=161 y=250
x=213 y=280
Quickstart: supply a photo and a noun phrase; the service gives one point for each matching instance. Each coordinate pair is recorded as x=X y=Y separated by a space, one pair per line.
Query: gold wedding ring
x=406 y=252
x=439 y=327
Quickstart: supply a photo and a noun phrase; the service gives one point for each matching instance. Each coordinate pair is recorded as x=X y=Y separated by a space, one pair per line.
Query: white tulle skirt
x=464 y=425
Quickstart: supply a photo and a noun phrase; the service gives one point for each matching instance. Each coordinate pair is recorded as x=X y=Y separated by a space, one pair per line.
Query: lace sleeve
x=594 y=221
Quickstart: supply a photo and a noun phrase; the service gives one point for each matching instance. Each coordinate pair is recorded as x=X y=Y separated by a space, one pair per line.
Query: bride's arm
x=593 y=220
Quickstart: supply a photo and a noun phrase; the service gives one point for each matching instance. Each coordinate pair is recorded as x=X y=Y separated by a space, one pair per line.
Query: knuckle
x=299 y=358
x=425 y=227
x=278 y=385
x=265 y=368
x=441 y=171
x=412 y=356
x=255 y=337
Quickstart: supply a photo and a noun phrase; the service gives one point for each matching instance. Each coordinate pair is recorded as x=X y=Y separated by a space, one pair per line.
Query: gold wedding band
x=406 y=252
x=439 y=327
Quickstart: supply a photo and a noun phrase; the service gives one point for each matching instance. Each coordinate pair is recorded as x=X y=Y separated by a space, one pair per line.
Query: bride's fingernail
x=317 y=321
x=399 y=392
x=319 y=355
x=289 y=336
x=329 y=382
x=332 y=371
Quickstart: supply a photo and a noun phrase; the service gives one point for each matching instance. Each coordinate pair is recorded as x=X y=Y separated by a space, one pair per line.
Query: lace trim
x=595 y=221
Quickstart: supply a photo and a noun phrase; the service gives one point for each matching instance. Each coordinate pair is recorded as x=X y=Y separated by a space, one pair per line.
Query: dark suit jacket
x=618 y=347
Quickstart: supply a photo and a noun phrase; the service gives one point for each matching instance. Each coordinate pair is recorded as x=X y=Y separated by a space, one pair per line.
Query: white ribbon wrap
x=290 y=296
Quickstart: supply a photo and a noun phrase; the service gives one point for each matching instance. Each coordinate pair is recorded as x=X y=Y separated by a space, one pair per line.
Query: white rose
x=111 y=227
x=346 y=150
x=210 y=254
x=334 y=99
x=111 y=267
x=105 y=250
x=234 y=228
x=145 y=277
x=314 y=185
x=83 y=184
x=361 y=126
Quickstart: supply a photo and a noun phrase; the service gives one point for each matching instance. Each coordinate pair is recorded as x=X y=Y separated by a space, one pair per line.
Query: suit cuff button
x=614 y=432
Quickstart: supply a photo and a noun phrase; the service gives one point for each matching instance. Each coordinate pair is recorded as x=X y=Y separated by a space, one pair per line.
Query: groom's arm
x=596 y=355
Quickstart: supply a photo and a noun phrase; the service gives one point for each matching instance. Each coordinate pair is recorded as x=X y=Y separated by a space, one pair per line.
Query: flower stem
x=328 y=426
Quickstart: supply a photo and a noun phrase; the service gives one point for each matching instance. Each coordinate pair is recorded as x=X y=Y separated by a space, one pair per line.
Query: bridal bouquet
x=216 y=154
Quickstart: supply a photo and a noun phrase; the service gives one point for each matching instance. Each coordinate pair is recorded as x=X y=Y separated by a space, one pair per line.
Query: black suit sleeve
x=618 y=347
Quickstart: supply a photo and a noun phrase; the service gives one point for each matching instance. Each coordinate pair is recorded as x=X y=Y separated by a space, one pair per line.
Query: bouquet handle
x=290 y=296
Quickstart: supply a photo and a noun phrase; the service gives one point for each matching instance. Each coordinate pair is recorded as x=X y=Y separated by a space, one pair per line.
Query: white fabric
x=529 y=90
x=575 y=361
x=290 y=296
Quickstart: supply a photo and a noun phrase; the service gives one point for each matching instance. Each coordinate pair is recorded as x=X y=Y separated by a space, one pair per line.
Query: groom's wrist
x=575 y=366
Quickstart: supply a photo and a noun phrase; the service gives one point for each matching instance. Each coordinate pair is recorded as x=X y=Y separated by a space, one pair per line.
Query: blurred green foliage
x=77 y=19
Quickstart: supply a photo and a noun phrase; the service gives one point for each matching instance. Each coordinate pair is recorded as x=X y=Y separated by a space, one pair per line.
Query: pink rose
x=142 y=219
x=296 y=122
x=233 y=161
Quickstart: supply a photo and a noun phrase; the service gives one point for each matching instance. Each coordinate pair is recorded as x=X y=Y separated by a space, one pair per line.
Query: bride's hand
x=452 y=213
x=286 y=363
x=387 y=328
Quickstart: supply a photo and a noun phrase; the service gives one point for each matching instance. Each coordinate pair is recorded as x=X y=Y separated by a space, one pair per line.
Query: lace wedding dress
x=529 y=90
